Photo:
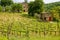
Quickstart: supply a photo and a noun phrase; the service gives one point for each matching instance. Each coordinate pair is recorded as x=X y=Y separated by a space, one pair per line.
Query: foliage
x=16 y=7
x=1 y=8
x=54 y=8
x=56 y=12
x=25 y=1
x=39 y=6
x=49 y=6
x=30 y=9
x=35 y=7
x=8 y=9
x=6 y=2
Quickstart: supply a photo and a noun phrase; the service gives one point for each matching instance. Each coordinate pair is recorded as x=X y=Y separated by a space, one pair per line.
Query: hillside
x=51 y=5
x=19 y=26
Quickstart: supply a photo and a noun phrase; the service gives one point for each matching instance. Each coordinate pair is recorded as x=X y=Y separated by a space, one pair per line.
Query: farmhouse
x=45 y=16
x=25 y=6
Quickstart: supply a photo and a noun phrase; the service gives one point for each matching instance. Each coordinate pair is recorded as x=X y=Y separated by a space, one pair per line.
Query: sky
x=45 y=1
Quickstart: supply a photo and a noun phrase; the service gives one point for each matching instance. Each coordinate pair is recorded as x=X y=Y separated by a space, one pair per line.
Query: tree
x=39 y=5
x=1 y=8
x=8 y=9
x=16 y=7
x=49 y=6
x=56 y=13
x=25 y=1
x=0 y=2
x=35 y=7
x=6 y=2
x=31 y=8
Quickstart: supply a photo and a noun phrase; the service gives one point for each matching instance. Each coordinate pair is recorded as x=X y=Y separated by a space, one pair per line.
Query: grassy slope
x=20 y=22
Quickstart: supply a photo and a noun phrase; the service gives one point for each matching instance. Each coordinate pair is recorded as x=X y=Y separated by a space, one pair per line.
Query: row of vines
x=16 y=26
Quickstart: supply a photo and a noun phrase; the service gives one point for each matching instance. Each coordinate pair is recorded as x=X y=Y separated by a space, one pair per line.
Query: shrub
x=6 y=2
x=56 y=13
x=31 y=9
x=35 y=7
x=1 y=8
x=8 y=9
x=16 y=7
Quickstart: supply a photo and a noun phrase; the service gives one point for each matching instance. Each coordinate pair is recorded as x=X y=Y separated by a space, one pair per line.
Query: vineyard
x=19 y=26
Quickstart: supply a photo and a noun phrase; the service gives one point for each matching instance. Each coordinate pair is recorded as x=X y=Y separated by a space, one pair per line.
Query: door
x=49 y=18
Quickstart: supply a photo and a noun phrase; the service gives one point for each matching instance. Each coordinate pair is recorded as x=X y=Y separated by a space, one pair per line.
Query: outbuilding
x=45 y=16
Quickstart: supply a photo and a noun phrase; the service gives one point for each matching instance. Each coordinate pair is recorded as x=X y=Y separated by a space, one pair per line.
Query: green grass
x=20 y=21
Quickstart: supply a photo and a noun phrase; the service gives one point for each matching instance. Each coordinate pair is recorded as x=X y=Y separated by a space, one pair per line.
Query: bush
x=1 y=8
x=31 y=9
x=16 y=7
x=8 y=9
x=35 y=7
x=54 y=19
x=56 y=13
x=6 y=2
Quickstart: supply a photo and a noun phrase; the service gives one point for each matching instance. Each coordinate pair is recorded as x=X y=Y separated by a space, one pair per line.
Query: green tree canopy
x=36 y=7
x=56 y=12
x=49 y=6
x=8 y=9
x=6 y=2
x=25 y=1
x=39 y=6
x=17 y=7
x=1 y=8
